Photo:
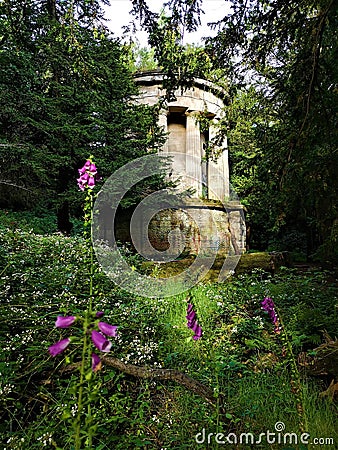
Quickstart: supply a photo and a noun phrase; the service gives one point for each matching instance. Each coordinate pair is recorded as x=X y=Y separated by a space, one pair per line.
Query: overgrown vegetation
x=239 y=355
x=66 y=87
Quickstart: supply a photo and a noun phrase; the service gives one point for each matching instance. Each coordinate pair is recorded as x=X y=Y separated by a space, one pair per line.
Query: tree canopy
x=66 y=91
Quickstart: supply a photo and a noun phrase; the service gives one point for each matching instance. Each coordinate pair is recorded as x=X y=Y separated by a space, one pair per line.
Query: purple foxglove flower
x=269 y=306
x=85 y=167
x=88 y=175
x=192 y=322
x=59 y=347
x=190 y=316
x=82 y=181
x=64 y=321
x=92 y=169
x=198 y=333
x=190 y=308
x=109 y=330
x=91 y=182
x=101 y=342
x=96 y=362
x=195 y=327
x=99 y=314
x=85 y=177
x=81 y=186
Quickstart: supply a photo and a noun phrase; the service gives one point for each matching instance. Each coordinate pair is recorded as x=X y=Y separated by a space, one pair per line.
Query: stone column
x=193 y=152
x=163 y=122
x=218 y=170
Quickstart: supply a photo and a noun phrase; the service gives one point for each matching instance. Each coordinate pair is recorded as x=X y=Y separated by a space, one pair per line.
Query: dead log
x=162 y=374
x=155 y=374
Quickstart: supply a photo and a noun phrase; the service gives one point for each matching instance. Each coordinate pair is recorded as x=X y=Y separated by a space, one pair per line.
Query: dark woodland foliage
x=66 y=92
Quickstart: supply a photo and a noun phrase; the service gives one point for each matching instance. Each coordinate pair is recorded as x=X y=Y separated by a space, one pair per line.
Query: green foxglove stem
x=86 y=349
x=217 y=390
x=90 y=309
x=4 y=269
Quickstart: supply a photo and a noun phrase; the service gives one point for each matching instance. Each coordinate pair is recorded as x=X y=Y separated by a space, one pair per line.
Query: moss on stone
x=248 y=262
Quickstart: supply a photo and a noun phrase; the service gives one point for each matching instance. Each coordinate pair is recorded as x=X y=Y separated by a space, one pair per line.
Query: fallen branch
x=162 y=374
x=9 y=183
x=157 y=374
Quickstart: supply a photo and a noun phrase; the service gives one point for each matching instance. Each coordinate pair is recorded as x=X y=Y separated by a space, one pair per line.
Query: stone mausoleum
x=208 y=177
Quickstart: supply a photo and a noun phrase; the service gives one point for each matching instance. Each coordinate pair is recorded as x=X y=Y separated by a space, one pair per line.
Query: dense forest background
x=66 y=90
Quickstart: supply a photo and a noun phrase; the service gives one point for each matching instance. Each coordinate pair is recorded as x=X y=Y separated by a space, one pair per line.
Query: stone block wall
x=208 y=179
x=199 y=230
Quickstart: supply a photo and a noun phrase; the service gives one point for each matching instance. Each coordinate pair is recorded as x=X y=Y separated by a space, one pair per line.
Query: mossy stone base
x=269 y=262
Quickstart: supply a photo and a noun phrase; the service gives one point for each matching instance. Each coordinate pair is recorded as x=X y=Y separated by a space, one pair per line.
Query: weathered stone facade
x=208 y=178
x=180 y=120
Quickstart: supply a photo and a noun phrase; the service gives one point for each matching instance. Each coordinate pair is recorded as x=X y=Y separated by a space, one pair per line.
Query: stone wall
x=208 y=178
x=216 y=230
x=181 y=120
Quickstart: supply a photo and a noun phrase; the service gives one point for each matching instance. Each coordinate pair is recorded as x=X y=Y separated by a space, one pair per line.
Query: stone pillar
x=193 y=152
x=218 y=170
x=163 y=122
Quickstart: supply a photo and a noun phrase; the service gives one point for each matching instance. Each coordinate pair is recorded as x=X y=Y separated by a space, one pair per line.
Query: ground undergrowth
x=240 y=357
